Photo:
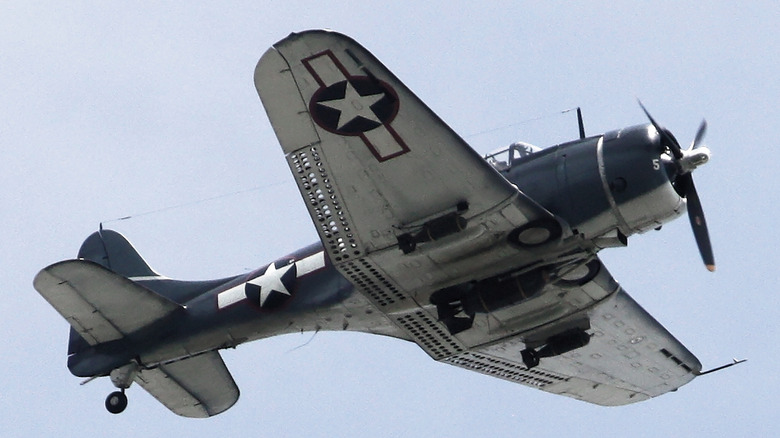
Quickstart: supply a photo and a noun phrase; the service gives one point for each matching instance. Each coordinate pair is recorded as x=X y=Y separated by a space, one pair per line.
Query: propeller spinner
x=687 y=161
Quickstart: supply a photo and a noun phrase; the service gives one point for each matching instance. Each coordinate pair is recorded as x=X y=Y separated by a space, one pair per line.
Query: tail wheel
x=116 y=402
x=536 y=233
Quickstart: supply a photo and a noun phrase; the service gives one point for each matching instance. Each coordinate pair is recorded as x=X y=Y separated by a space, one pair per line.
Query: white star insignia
x=353 y=105
x=271 y=281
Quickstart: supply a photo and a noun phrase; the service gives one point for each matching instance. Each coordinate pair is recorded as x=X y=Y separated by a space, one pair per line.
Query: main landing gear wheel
x=577 y=276
x=116 y=402
x=536 y=233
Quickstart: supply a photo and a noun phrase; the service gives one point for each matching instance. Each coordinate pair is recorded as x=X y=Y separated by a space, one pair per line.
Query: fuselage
x=616 y=181
x=604 y=188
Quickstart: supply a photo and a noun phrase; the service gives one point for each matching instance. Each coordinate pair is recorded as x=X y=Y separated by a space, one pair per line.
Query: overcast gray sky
x=111 y=109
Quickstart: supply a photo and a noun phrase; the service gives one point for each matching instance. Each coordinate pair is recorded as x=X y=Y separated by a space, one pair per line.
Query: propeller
x=687 y=161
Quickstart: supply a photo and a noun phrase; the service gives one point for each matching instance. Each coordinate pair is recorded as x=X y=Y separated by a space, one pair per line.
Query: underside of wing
x=342 y=116
x=465 y=264
x=376 y=167
x=100 y=305
x=197 y=387
x=627 y=357
x=403 y=206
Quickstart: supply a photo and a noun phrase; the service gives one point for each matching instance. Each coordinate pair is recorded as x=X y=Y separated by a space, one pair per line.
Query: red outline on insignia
x=403 y=148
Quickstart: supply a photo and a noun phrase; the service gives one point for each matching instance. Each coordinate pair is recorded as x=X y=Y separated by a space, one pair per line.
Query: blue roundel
x=354 y=106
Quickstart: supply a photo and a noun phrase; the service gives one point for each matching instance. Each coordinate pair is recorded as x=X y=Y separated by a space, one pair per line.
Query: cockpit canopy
x=503 y=159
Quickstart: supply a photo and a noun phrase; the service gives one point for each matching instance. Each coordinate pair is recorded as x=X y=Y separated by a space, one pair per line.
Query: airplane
x=486 y=263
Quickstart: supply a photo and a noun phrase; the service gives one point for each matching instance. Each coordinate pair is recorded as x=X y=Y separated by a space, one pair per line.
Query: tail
x=114 y=252
x=111 y=293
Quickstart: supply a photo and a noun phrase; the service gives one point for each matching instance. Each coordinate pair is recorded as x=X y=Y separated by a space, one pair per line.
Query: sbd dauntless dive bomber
x=487 y=263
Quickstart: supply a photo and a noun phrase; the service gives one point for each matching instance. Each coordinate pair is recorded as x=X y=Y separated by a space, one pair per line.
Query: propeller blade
x=670 y=141
x=684 y=183
x=698 y=223
x=699 y=135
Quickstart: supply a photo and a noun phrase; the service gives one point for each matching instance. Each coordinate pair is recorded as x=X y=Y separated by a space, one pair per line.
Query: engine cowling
x=616 y=182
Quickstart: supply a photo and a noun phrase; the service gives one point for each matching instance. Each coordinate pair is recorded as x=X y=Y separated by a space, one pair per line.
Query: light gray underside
x=360 y=204
x=200 y=386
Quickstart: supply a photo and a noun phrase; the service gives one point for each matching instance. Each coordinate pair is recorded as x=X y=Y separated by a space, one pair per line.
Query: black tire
x=116 y=402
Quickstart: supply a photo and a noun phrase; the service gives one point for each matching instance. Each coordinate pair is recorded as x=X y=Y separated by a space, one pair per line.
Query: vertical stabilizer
x=111 y=250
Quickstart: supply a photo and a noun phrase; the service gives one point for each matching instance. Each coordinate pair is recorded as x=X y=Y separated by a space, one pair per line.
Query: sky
x=148 y=110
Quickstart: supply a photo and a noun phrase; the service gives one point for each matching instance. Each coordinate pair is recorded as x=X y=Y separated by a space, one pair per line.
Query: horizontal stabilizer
x=197 y=387
x=100 y=305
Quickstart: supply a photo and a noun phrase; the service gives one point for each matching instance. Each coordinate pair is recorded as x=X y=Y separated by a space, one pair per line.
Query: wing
x=371 y=160
x=100 y=305
x=402 y=204
x=411 y=215
x=628 y=356
x=200 y=386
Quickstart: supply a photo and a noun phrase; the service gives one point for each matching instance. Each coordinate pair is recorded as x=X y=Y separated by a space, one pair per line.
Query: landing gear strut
x=122 y=378
x=530 y=358
x=116 y=402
